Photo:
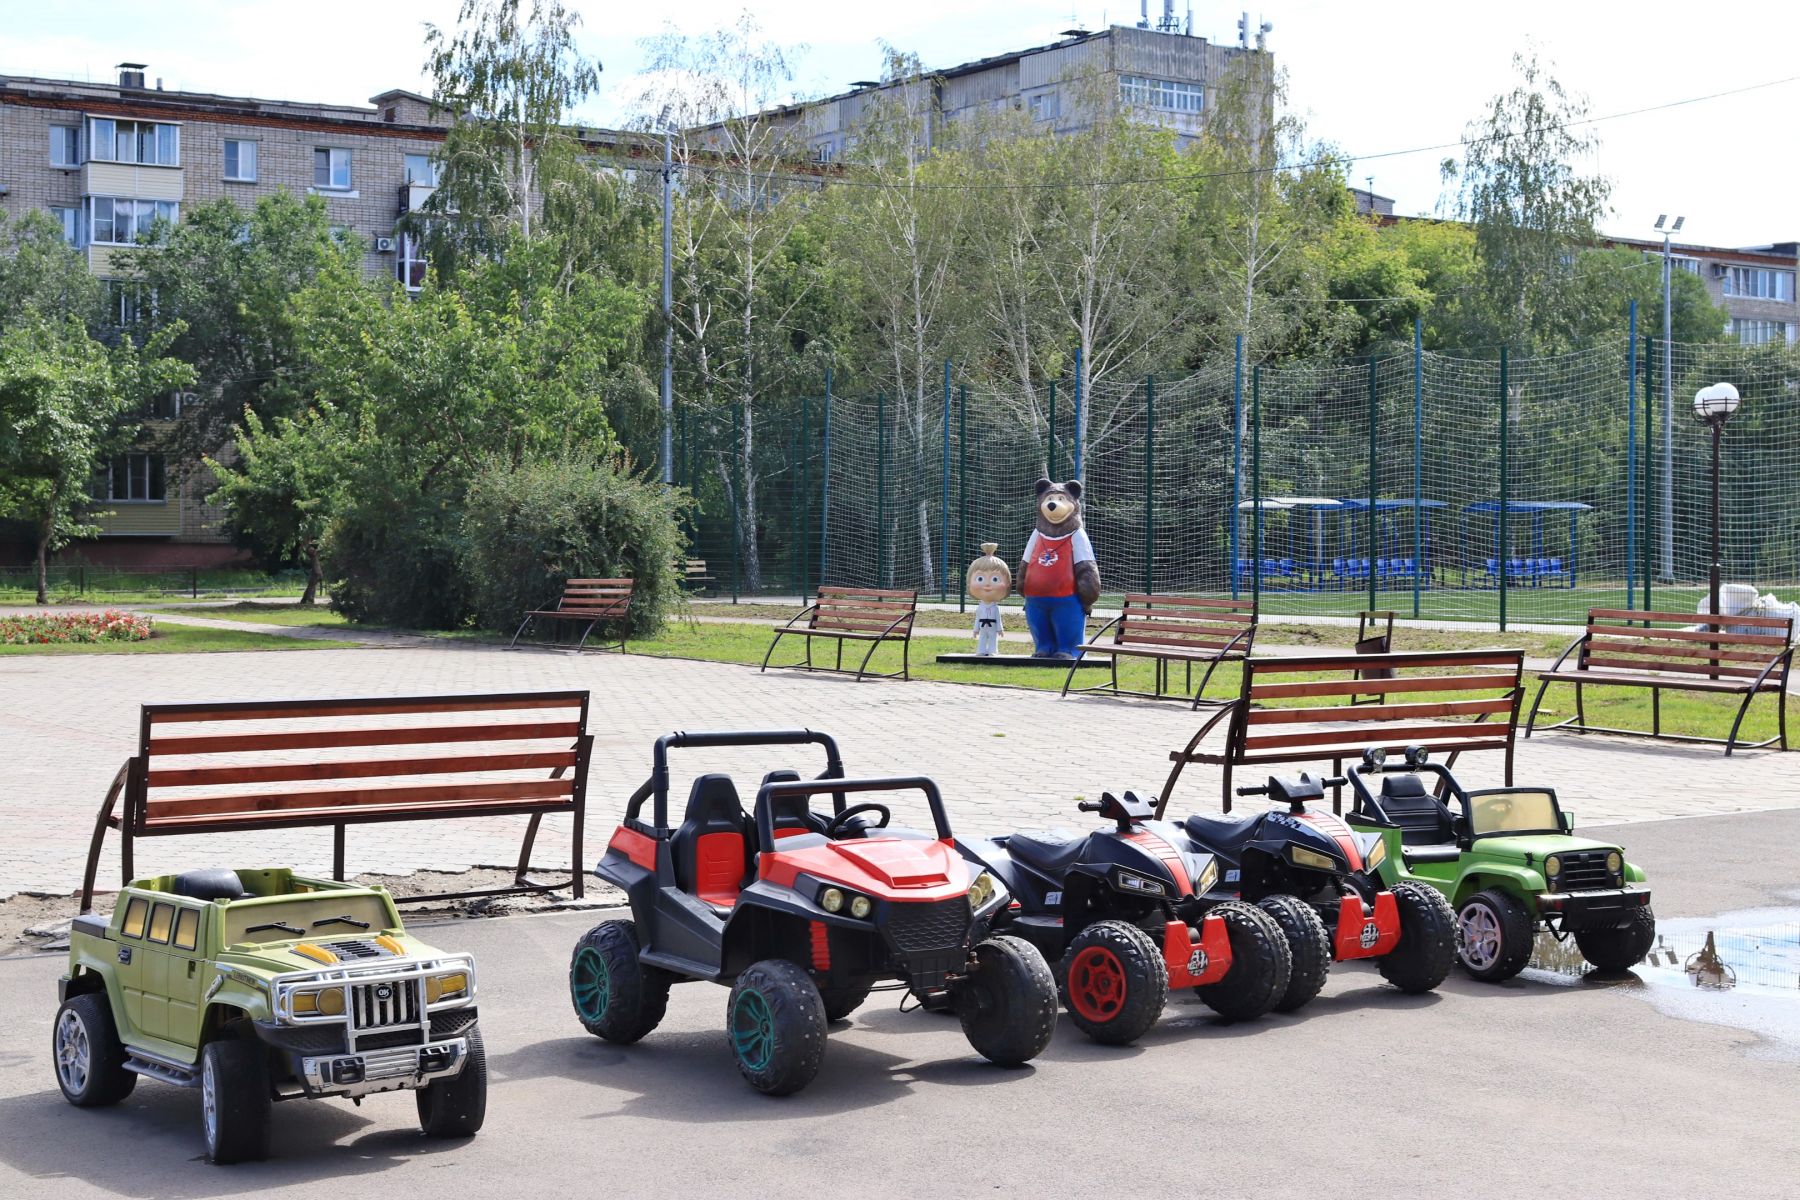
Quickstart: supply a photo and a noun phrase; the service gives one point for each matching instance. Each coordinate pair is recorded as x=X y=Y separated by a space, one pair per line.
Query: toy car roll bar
x=838 y=787
x=658 y=784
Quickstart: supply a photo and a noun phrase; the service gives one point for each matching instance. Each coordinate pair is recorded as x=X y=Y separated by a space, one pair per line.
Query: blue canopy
x=1386 y=505
x=1528 y=506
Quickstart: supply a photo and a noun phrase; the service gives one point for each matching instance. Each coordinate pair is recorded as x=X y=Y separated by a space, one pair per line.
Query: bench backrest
x=695 y=568
x=234 y=765
x=602 y=597
x=1447 y=700
x=864 y=610
x=1186 y=622
x=1636 y=640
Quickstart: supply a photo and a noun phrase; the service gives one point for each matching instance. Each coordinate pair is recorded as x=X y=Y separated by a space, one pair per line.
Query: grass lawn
x=263 y=614
x=1627 y=708
x=184 y=639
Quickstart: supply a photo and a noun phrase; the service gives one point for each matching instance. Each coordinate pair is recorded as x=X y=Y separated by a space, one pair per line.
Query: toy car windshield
x=1514 y=810
x=325 y=916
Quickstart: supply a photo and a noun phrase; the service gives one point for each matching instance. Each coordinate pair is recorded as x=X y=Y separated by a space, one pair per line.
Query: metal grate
x=1584 y=870
x=379 y=1005
x=357 y=949
x=939 y=925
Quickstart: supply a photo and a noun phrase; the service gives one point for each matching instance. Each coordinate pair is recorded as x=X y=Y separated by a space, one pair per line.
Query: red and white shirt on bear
x=1050 y=563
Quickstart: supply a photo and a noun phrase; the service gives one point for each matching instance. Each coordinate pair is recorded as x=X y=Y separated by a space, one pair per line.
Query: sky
x=1371 y=79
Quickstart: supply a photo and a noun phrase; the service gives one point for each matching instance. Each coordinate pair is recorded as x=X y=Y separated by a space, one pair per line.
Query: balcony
x=413 y=196
x=137 y=180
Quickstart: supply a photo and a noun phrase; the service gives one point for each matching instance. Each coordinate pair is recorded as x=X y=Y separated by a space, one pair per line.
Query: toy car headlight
x=861 y=907
x=1374 y=756
x=981 y=891
x=1311 y=858
x=1552 y=867
x=1416 y=756
x=454 y=986
x=831 y=899
x=1615 y=863
x=1377 y=853
x=326 y=1003
x=1207 y=878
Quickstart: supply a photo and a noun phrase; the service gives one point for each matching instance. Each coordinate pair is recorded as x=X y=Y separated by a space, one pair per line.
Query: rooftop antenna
x=1243 y=31
x=1263 y=30
x=1190 y=20
x=1168 y=18
x=1143 y=14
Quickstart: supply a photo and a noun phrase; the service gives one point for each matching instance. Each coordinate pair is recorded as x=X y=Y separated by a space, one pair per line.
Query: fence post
x=1630 y=455
x=1237 y=456
x=1076 y=473
x=825 y=483
x=1256 y=524
x=1373 y=546
x=1052 y=464
x=880 y=490
x=962 y=485
x=1419 y=556
x=804 y=533
x=1500 y=527
x=1649 y=458
x=1149 y=483
x=737 y=488
x=944 y=533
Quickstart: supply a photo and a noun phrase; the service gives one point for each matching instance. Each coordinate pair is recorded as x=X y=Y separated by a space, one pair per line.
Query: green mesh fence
x=1490 y=489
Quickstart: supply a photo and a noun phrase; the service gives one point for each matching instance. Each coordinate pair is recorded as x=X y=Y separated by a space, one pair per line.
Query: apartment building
x=1754 y=284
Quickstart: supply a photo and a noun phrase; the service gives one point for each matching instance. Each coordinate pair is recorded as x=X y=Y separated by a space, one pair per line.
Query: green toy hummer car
x=1509 y=863
x=263 y=985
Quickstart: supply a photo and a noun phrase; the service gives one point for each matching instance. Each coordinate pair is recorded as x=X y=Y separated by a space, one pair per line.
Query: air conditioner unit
x=384 y=245
x=1719 y=269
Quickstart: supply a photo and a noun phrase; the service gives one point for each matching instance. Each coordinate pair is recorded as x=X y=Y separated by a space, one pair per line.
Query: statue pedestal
x=1016 y=660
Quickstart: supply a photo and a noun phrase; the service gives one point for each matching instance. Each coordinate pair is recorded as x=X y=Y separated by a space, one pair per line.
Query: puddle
x=1739 y=969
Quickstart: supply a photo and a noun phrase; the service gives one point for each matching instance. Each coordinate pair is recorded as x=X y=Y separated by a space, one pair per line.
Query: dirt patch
x=38 y=924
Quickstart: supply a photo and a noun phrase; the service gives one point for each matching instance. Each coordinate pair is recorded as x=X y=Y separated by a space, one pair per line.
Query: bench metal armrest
x=1248 y=636
x=1100 y=632
x=1785 y=657
x=1573 y=646
x=904 y=620
x=790 y=621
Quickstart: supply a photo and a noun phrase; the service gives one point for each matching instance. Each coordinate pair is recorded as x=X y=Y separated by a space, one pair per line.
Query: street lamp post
x=1668 y=465
x=1713 y=406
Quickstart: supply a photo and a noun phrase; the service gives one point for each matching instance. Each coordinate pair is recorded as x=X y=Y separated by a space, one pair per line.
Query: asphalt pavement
x=1474 y=1091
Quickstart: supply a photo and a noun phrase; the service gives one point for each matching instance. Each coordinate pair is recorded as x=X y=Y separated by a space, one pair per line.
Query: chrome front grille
x=1583 y=871
x=385 y=1004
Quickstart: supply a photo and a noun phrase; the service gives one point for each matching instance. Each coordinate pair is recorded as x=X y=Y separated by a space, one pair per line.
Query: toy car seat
x=216 y=883
x=709 y=848
x=791 y=815
x=1423 y=819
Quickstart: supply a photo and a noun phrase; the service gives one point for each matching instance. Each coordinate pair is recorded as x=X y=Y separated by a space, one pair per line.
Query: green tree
x=279 y=489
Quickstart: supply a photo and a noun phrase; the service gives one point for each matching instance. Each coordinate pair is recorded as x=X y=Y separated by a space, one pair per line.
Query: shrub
x=391 y=556
x=49 y=629
x=528 y=529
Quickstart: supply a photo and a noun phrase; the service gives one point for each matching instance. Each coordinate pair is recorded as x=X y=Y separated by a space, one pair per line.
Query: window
x=124 y=302
x=116 y=222
x=133 y=925
x=165 y=407
x=65 y=145
x=409 y=266
x=148 y=142
x=1757 y=333
x=331 y=169
x=1759 y=283
x=421 y=169
x=240 y=161
x=162 y=920
x=187 y=929
x=136 y=478
x=1162 y=93
x=70 y=220
x=824 y=152
x=1046 y=106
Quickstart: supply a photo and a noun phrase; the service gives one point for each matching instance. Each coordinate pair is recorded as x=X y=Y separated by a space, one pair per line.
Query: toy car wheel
x=776 y=1021
x=1115 y=982
x=1007 y=1004
x=89 y=1058
x=235 y=1101
x=1494 y=936
x=1427 y=947
x=615 y=996
x=840 y=1002
x=455 y=1106
x=1309 y=944
x=1617 y=949
x=1261 y=964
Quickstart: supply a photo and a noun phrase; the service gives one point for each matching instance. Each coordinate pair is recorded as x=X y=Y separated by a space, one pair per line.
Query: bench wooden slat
x=1619 y=645
x=1311 y=663
x=1491 y=705
x=1361 y=737
x=1637 y=633
x=559 y=760
x=1198 y=654
x=1133 y=625
x=1174 y=643
x=162 y=714
x=1365 y=687
x=1496 y=741
x=1631 y=614
x=888 y=593
x=1639 y=665
x=362 y=814
x=318 y=739
x=157 y=806
x=1156 y=600
x=1677 y=683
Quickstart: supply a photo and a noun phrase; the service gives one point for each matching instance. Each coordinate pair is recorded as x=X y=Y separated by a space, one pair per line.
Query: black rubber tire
x=1261 y=964
x=1427 y=947
x=1008 y=1002
x=1123 y=994
x=456 y=1106
x=629 y=999
x=106 y=1080
x=840 y=1002
x=235 y=1072
x=1516 y=931
x=1309 y=945
x=1619 y=949
x=779 y=1005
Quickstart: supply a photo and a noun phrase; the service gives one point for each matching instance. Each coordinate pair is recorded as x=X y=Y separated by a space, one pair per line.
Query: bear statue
x=1058 y=575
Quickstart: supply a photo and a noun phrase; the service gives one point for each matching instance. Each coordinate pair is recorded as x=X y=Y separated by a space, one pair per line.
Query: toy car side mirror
x=1568 y=822
x=1459 y=829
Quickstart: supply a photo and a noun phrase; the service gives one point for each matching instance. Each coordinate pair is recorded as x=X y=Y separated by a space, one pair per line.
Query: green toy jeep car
x=1508 y=862
x=263 y=985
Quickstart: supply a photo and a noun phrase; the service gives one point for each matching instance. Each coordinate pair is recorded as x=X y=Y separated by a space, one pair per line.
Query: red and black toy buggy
x=802 y=913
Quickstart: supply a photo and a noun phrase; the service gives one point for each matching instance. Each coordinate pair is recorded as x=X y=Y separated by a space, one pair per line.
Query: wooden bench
x=208 y=768
x=1447 y=700
x=1170 y=630
x=694 y=574
x=1624 y=647
x=588 y=601
x=841 y=614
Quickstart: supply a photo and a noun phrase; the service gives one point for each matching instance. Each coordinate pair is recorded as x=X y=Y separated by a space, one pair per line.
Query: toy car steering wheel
x=833 y=827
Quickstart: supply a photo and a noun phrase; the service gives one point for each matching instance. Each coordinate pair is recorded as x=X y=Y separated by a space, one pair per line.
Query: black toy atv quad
x=1310 y=870
x=1127 y=914
x=801 y=913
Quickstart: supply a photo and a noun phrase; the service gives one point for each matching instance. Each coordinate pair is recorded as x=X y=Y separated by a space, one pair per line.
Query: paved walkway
x=1006 y=758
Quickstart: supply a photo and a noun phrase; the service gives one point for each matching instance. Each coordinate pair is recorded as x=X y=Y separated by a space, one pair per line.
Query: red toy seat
x=710 y=847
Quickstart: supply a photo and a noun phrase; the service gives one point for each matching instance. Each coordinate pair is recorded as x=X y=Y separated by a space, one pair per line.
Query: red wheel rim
x=1097 y=984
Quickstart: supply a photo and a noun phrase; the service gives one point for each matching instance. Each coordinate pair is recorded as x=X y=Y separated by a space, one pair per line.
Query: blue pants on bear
x=1058 y=626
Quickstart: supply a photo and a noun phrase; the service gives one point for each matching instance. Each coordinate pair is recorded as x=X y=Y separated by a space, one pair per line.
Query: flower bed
x=49 y=629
